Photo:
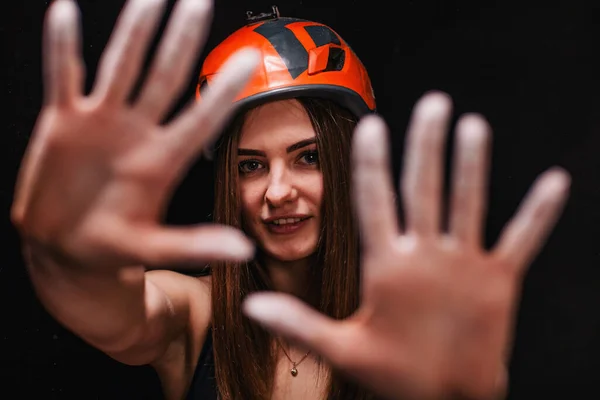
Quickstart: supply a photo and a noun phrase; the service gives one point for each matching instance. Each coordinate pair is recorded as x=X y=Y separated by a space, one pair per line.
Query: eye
x=310 y=157
x=249 y=166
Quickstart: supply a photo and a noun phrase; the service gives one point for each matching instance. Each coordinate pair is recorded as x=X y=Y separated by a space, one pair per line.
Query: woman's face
x=280 y=182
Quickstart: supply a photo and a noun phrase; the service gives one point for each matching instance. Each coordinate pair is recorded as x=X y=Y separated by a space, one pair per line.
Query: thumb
x=294 y=320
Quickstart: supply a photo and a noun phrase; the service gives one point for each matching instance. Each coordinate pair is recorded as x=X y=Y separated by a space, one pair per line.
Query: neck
x=294 y=277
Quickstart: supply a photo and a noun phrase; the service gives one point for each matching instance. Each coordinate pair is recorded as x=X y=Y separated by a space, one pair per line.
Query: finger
x=63 y=69
x=124 y=55
x=29 y=173
x=176 y=57
x=373 y=189
x=188 y=246
x=526 y=233
x=204 y=120
x=422 y=175
x=469 y=181
x=288 y=317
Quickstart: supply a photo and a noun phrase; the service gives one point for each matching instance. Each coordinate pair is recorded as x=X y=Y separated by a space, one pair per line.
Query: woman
x=295 y=204
x=432 y=317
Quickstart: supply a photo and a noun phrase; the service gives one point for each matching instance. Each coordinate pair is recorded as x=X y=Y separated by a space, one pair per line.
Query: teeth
x=283 y=221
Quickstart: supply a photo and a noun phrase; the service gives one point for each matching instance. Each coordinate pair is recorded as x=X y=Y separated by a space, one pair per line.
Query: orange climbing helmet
x=299 y=58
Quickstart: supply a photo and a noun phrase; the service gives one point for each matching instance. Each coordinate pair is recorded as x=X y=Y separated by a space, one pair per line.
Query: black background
x=530 y=70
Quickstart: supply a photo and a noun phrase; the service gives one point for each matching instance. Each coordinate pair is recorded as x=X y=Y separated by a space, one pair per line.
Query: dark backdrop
x=530 y=70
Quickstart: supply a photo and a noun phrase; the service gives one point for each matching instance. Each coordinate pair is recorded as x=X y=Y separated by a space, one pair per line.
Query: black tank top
x=203 y=386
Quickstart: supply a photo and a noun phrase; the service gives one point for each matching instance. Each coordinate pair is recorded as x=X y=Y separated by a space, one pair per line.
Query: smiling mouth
x=287 y=221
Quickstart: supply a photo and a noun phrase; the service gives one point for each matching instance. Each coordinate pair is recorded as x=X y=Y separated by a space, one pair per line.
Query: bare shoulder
x=190 y=303
x=188 y=297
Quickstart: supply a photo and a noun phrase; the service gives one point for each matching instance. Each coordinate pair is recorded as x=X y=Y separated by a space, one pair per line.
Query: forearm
x=106 y=308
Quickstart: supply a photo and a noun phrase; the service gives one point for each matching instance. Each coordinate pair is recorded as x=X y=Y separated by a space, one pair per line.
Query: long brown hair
x=243 y=351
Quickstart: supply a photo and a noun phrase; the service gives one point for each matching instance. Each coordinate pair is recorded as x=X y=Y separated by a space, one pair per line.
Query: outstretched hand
x=100 y=169
x=437 y=309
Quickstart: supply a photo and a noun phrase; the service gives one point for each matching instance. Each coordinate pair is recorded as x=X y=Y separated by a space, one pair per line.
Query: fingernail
x=251 y=55
x=370 y=138
x=258 y=307
x=556 y=179
x=433 y=104
x=241 y=248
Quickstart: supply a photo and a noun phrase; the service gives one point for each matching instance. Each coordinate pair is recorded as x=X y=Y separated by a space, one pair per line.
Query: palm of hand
x=442 y=312
x=436 y=308
x=100 y=168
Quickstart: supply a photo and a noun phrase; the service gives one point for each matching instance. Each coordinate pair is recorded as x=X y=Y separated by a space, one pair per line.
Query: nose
x=280 y=190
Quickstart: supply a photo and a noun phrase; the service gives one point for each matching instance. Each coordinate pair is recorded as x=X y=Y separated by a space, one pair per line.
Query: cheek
x=250 y=197
x=313 y=189
x=319 y=193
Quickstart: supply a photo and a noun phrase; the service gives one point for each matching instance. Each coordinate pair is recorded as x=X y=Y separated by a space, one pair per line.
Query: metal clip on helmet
x=299 y=58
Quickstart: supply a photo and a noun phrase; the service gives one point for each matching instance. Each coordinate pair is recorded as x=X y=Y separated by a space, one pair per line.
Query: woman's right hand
x=100 y=169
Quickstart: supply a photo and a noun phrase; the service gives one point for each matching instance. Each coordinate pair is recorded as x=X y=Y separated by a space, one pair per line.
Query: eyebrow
x=289 y=149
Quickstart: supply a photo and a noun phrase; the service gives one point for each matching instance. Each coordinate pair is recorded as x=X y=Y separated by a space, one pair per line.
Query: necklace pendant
x=294 y=371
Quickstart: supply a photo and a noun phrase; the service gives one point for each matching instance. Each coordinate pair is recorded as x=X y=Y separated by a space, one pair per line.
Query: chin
x=289 y=254
x=286 y=257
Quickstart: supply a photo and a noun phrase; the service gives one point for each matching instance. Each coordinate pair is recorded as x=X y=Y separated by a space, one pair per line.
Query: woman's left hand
x=437 y=309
